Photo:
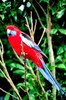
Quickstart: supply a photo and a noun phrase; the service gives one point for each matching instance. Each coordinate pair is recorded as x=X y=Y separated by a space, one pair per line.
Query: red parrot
x=23 y=44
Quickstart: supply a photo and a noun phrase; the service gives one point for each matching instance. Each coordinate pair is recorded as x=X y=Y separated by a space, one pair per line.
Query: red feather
x=32 y=52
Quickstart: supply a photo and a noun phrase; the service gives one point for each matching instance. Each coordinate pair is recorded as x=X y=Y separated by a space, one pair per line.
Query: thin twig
x=50 y=46
x=31 y=22
x=6 y=75
x=41 y=8
x=35 y=26
x=38 y=17
x=23 y=63
x=32 y=72
x=9 y=93
x=27 y=25
x=20 y=60
x=23 y=89
x=2 y=22
x=25 y=79
x=37 y=74
x=29 y=29
x=28 y=67
x=41 y=37
x=1 y=52
x=25 y=73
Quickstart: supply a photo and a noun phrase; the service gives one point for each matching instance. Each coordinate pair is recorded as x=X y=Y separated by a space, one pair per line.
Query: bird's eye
x=11 y=33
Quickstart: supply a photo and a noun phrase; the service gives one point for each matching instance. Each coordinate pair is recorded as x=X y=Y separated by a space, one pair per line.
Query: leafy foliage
x=11 y=14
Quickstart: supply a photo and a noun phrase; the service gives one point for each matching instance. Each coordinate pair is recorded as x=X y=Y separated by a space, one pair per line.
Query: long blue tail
x=48 y=75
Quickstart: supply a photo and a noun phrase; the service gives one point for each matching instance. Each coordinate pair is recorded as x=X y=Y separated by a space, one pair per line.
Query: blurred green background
x=14 y=12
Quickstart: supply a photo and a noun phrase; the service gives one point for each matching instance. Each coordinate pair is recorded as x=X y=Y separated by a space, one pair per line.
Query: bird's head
x=12 y=30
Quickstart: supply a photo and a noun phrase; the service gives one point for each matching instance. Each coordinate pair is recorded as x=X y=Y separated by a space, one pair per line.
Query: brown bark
x=51 y=53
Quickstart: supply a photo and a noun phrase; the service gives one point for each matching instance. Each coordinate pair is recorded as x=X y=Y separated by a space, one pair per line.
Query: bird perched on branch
x=23 y=45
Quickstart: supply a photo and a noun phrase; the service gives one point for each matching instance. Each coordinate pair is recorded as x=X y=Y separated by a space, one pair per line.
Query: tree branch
x=5 y=72
x=41 y=37
x=32 y=35
x=51 y=53
x=9 y=93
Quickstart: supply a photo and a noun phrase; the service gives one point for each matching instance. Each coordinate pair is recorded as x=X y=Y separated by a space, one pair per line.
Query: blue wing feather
x=48 y=75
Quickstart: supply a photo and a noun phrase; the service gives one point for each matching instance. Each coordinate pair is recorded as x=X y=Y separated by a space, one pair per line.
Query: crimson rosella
x=22 y=43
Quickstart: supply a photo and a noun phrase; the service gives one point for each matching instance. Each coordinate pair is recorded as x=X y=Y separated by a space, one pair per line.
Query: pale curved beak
x=8 y=31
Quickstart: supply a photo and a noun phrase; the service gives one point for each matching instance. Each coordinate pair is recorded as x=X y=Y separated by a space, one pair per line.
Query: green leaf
x=19 y=11
x=65 y=55
x=58 y=59
x=1 y=75
x=47 y=1
x=60 y=51
x=54 y=31
x=63 y=31
x=7 y=97
x=2 y=17
x=16 y=66
x=32 y=97
x=64 y=47
x=20 y=72
x=60 y=13
x=29 y=85
x=61 y=66
x=33 y=93
x=20 y=85
x=62 y=3
x=54 y=10
x=13 y=13
x=28 y=75
x=25 y=98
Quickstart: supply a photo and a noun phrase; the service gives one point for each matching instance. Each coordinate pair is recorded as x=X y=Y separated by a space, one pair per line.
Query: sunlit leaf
x=64 y=47
x=21 y=7
x=28 y=75
x=32 y=97
x=2 y=17
x=60 y=13
x=63 y=31
x=20 y=72
x=14 y=12
x=19 y=84
x=61 y=66
x=58 y=59
x=44 y=1
x=60 y=50
x=16 y=66
x=54 y=31
x=54 y=10
x=1 y=75
x=7 y=97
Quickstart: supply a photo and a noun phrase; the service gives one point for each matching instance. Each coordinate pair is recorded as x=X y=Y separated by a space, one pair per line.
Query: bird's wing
x=28 y=41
